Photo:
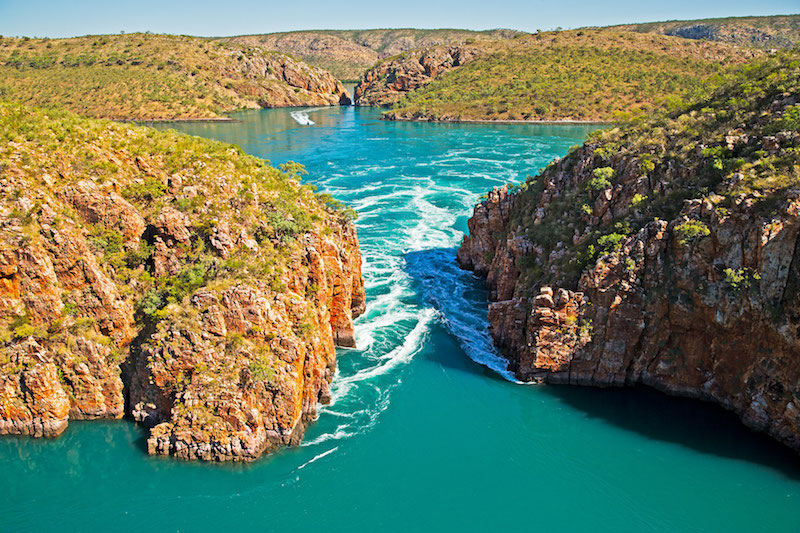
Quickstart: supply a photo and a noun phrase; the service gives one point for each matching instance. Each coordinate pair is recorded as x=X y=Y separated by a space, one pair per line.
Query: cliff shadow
x=699 y=425
x=461 y=300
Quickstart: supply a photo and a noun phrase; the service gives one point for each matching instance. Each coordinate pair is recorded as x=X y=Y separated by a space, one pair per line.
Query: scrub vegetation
x=740 y=144
x=589 y=75
x=140 y=76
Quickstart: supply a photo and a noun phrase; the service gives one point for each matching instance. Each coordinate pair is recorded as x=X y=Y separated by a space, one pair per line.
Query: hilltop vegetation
x=780 y=31
x=348 y=53
x=156 y=77
x=596 y=75
x=216 y=281
x=741 y=144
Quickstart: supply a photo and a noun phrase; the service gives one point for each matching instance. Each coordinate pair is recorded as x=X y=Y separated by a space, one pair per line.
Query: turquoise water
x=424 y=431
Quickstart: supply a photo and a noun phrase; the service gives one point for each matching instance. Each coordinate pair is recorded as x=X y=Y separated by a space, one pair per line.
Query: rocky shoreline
x=203 y=295
x=589 y=287
x=565 y=122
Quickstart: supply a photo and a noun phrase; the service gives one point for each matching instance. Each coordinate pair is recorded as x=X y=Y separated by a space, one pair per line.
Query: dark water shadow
x=699 y=425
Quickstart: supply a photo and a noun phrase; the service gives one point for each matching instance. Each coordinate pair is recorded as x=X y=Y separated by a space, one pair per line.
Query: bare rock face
x=76 y=370
x=304 y=85
x=666 y=315
x=32 y=399
x=390 y=80
x=238 y=371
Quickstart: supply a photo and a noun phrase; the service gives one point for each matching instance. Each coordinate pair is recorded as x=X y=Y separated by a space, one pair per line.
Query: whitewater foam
x=301 y=117
x=317 y=458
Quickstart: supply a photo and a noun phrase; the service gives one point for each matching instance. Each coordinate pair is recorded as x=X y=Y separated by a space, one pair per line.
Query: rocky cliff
x=166 y=277
x=665 y=254
x=158 y=77
x=386 y=83
x=347 y=54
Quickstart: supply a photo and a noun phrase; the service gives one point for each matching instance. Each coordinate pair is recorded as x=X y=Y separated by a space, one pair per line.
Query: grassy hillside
x=780 y=31
x=348 y=53
x=145 y=77
x=44 y=152
x=575 y=75
x=738 y=147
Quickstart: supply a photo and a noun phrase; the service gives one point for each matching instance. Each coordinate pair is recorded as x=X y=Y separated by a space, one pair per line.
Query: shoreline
x=565 y=122
x=217 y=119
x=169 y=120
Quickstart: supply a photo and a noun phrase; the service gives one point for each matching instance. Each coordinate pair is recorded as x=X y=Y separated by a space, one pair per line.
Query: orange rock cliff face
x=386 y=83
x=588 y=287
x=174 y=290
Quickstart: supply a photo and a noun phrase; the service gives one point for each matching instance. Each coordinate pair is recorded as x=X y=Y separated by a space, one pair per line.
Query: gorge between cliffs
x=424 y=379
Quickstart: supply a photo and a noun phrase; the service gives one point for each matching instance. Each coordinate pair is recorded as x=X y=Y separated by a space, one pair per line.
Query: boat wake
x=301 y=117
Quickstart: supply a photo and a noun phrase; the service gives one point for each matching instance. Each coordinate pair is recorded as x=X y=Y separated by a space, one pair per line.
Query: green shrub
x=602 y=178
x=107 y=240
x=638 y=199
x=741 y=279
x=145 y=192
x=789 y=121
x=261 y=369
x=24 y=331
x=611 y=242
x=646 y=165
x=690 y=231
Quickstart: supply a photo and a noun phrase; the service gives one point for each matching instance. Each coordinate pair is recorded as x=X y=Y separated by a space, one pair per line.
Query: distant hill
x=157 y=77
x=591 y=74
x=348 y=53
x=780 y=31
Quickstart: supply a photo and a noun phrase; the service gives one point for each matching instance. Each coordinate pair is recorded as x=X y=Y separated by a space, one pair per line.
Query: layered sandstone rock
x=389 y=81
x=207 y=292
x=704 y=303
x=347 y=54
x=243 y=369
x=301 y=84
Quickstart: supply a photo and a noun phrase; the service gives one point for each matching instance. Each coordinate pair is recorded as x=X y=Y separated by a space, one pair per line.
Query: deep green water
x=422 y=435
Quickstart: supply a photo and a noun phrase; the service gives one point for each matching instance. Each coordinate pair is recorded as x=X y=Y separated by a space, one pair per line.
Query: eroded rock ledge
x=588 y=287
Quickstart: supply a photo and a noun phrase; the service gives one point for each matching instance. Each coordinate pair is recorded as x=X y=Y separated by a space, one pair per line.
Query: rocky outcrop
x=347 y=54
x=389 y=81
x=780 y=31
x=716 y=319
x=588 y=287
x=243 y=369
x=206 y=292
x=298 y=84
